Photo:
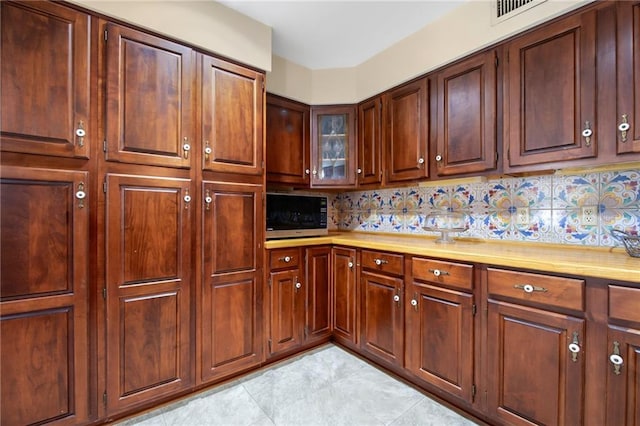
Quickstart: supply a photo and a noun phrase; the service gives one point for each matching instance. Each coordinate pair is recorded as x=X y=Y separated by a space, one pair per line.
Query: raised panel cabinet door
x=407 y=131
x=232 y=117
x=318 y=308
x=533 y=374
x=382 y=328
x=344 y=295
x=149 y=109
x=45 y=79
x=440 y=339
x=44 y=241
x=287 y=149
x=148 y=285
x=550 y=113
x=230 y=339
x=467 y=102
x=628 y=71
x=333 y=146
x=369 y=166
x=623 y=376
x=286 y=325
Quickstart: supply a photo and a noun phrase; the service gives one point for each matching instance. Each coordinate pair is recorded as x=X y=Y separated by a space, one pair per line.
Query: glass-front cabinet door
x=333 y=153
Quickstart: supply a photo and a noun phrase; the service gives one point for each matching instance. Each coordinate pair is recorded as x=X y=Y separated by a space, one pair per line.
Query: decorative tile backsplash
x=540 y=208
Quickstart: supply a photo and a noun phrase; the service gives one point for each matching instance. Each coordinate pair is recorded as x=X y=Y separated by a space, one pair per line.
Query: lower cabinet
x=318 y=280
x=344 y=296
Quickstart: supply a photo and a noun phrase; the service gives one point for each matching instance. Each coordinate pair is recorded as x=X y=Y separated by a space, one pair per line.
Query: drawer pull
x=438 y=272
x=616 y=359
x=528 y=288
x=574 y=347
x=380 y=261
x=286 y=259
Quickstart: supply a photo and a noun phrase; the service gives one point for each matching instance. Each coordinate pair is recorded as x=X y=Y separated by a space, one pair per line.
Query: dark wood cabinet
x=44 y=315
x=467 y=117
x=230 y=298
x=333 y=146
x=231 y=117
x=149 y=101
x=318 y=308
x=45 y=53
x=344 y=296
x=407 y=116
x=288 y=146
x=148 y=288
x=550 y=95
x=439 y=326
x=369 y=167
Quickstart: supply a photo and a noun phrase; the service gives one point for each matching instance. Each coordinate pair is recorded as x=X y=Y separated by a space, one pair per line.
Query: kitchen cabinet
x=550 y=95
x=149 y=99
x=231 y=117
x=288 y=145
x=408 y=123
x=370 y=129
x=440 y=309
x=33 y=34
x=467 y=117
x=381 y=312
x=44 y=313
x=333 y=146
x=345 y=295
x=148 y=288
x=230 y=298
x=318 y=281
x=535 y=335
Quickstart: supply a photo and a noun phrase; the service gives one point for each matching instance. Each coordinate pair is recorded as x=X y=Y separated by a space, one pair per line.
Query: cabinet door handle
x=616 y=359
x=307 y=171
x=624 y=127
x=420 y=161
x=528 y=288
x=574 y=347
x=207 y=200
x=81 y=195
x=207 y=151
x=438 y=272
x=298 y=285
x=80 y=133
x=438 y=157
x=587 y=133
x=414 y=302
x=396 y=298
x=187 y=199
x=186 y=148
x=380 y=261
x=350 y=264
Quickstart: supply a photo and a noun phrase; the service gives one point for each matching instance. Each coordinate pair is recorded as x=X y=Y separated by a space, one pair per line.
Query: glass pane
x=333 y=133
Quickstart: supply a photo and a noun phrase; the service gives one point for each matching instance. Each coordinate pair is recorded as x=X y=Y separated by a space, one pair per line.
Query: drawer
x=284 y=258
x=624 y=303
x=458 y=275
x=547 y=290
x=389 y=263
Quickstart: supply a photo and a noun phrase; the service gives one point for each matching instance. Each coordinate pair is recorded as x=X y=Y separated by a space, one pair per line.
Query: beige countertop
x=608 y=263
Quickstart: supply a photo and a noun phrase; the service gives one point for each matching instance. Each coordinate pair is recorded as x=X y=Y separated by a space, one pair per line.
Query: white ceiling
x=339 y=34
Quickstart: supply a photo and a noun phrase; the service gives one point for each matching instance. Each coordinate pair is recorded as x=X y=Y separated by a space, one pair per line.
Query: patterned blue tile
x=620 y=189
x=576 y=191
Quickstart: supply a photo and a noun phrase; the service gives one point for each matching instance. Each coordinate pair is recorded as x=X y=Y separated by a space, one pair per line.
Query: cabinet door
x=370 y=142
x=344 y=295
x=333 y=146
x=231 y=285
x=623 y=377
x=148 y=246
x=550 y=93
x=44 y=74
x=628 y=96
x=287 y=148
x=44 y=240
x=467 y=96
x=232 y=117
x=407 y=131
x=382 y=328
x=440 y=344
x=286 y=310
x=318 y=309
x=532 y=374
x=149 y=103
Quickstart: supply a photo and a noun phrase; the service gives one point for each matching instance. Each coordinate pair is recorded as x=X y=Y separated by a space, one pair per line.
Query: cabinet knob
x=359 y=171
x=396 y=298
x=380 y=261
x=315 y=172
x=574 y=347
x=624 y=127
x=186 y=147
x=81 y=195
x=350 y=264
x=307 y=171
x=187 y=199
x=438 y=272
x=207 y=151
x=438 y=157
x=587 y=133
x=286 y=259
x=528 y=288
x=414 y=303
x=81 y=133
x=420 y=160
x=616 y=359
x=298 y=286
x=207 y=200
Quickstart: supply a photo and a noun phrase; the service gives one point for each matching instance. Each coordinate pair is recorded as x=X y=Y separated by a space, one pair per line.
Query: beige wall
x=205 y=24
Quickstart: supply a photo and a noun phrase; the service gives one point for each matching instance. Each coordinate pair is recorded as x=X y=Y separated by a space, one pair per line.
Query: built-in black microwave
x=296 y=215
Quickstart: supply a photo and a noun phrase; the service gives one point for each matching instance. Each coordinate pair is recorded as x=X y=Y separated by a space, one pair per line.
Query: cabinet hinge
x=106 y=35
x=509 y=154
x=104 y=145
x=104 y=293
x=474 y=309
x=104 y=398
x=497 y=62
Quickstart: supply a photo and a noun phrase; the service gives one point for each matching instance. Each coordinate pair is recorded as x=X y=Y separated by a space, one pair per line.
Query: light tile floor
x=327 y=386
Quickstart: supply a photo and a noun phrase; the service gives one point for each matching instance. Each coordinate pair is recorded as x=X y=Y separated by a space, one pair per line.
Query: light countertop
x=608 y=263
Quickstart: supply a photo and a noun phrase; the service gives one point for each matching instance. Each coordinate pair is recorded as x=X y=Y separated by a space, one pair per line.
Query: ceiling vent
x=502 y=10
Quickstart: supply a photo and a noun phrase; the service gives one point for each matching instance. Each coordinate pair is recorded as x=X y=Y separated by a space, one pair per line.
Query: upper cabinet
x=407 y=130
x=333 y=146
x=149 y=106
x=550 y=88
x=370 y=141
x=467 y=119
x=628 y=76
x=287 y=148
x=45 y=79
x=231 y=108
